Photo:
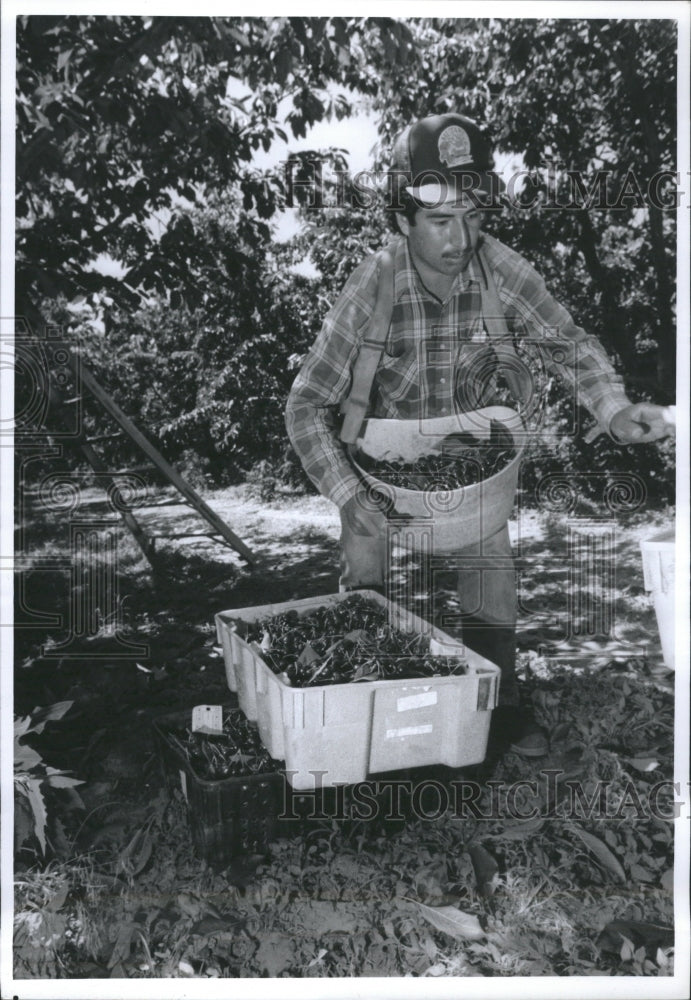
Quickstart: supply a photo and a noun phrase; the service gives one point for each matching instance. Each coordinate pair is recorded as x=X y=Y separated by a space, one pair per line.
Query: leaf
x=363 y=673
x=275 y=954
x=208 y=925
x=23 y=823
x=318 y=957
x=519 y=830
x=662 y=958
x=356 y=635
x=40 y=716
x=59 y=896
x=456 y=443
x=637 y=933
x=38 y=807
x=308 y=655
x=640 y=873
x=21 y=726
x=602 y=853
x=626 y=951
x=644 y=763
x=123 y=943
x=133 y=858
x=25 y=758
x=190 y=905
x=435 y=970
x=667 y=880
x=64 y=58
x=58 y=779
x=429 y=881
x=451 y=921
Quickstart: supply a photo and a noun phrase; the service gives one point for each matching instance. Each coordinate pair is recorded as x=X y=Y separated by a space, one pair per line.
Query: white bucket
x=446 y=521
x=658 y=577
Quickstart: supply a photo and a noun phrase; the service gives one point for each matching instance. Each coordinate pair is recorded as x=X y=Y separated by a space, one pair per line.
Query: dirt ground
x=142 y=644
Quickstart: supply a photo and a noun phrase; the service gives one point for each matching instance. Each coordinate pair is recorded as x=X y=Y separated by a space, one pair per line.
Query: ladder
x=85 y=380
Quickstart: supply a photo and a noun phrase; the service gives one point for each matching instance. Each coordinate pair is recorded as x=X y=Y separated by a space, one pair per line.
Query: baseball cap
x=443 y=157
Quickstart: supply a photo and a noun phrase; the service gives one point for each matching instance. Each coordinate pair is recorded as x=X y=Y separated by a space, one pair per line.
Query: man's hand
x=362 y=517
x=642 y=422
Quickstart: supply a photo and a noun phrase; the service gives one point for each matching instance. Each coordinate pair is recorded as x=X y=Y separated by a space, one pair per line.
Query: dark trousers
x=486 y=583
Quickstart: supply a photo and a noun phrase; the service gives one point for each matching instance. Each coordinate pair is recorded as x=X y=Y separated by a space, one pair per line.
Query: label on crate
x=451 y=648
x=207 y=719
x=408 y=731
x=411 y=701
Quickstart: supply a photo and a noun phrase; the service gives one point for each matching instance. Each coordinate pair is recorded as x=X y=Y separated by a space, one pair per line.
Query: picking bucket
x=443 y=521
x=658 y=577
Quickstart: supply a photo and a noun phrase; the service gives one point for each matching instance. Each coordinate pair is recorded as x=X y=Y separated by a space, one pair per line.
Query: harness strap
x=513 y=369
x=355 y=406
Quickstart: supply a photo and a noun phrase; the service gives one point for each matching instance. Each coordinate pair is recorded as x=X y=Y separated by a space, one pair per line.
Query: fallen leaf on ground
x=667 y=880
x=638 y=934
x=210 y=925
x=644 y=763
x=451 y=921
x=640 y=873
x=519 y=830
x=435 y=970
x=135 y=856
x=317 y=958
x=602 y=853
x=276 y=953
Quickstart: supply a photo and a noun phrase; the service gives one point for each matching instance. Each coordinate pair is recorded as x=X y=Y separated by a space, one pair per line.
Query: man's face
x=443 y=239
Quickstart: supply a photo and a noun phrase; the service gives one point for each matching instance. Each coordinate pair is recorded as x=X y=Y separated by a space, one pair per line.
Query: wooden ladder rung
x=106 y=437
x=163 y=502
x=185 y=534
x=133 y=468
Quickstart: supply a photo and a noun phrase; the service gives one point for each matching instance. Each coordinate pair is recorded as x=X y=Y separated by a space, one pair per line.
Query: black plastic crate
x=228 y=817
x=241 y=816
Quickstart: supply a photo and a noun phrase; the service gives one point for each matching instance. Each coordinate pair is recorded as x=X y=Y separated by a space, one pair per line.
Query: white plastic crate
x=658 y=576
x=241 y=663
x=224 y=627
x=347 y=731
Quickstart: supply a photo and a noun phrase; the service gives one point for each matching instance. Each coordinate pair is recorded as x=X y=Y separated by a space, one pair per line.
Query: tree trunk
x=617 y=334
x=666 y=326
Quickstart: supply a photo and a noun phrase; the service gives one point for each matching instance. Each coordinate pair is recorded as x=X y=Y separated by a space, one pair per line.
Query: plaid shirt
x=437 y=358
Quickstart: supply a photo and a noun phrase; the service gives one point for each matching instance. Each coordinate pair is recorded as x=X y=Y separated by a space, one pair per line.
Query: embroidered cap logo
x=454 y=147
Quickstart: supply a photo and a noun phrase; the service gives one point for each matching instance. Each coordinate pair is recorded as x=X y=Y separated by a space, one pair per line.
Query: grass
x=124 y=894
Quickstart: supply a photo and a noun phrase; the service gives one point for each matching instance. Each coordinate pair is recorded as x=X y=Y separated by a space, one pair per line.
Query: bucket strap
x=365 y=368
x=514 y=371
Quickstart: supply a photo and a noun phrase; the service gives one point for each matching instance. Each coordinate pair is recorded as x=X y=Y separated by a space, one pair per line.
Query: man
x=435 y=329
